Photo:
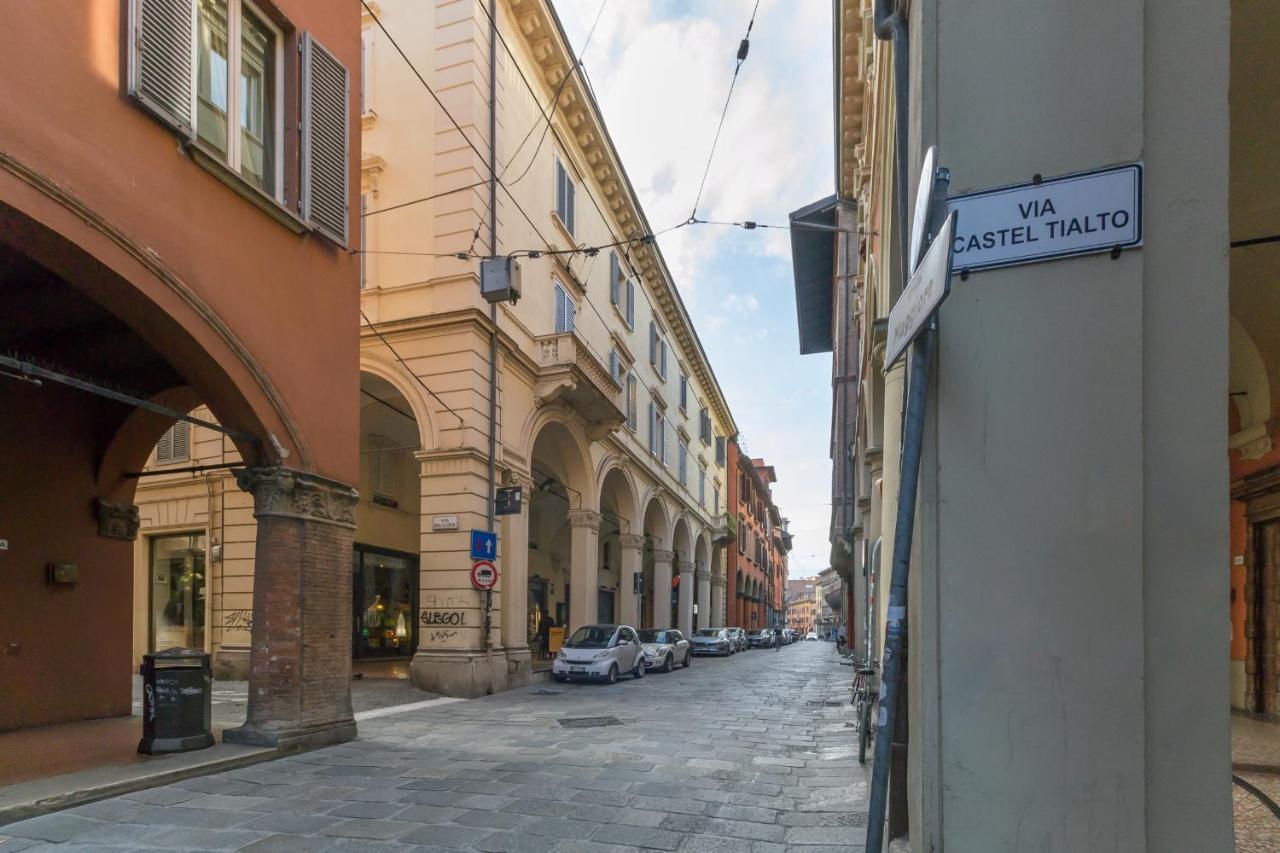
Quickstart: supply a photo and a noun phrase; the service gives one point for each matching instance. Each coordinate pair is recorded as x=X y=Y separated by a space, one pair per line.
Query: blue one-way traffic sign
x=484 y=545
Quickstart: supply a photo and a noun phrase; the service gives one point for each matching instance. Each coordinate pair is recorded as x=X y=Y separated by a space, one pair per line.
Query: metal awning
x=813 y=256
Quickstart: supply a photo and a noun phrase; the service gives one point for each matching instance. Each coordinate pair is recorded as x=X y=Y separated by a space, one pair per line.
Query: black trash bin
x=177 y=697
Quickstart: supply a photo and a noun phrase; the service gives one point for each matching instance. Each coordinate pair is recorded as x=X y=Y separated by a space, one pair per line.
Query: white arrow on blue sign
x=484 y=545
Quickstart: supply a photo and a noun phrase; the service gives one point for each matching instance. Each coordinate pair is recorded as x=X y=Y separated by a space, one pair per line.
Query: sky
x=660 y=70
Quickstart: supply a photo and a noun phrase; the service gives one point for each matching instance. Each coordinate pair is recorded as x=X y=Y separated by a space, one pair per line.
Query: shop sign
x=1079 y=214
x=484 y=575
x=923 y=294
x=507 y=500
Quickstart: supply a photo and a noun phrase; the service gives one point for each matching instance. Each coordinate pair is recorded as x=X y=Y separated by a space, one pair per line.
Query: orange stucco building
x=156 y=253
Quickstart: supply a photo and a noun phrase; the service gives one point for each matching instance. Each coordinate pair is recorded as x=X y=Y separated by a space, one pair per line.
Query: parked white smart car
x=600 y=652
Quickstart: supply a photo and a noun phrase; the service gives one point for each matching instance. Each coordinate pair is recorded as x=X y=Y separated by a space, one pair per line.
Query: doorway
x=385 y=601
x=177 y=592
x=1264 y=617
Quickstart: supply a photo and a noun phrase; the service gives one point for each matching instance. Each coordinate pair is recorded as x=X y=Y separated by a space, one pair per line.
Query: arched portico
x=621 y=546
x=702 y=581
x=682 y=545
x=657 y=533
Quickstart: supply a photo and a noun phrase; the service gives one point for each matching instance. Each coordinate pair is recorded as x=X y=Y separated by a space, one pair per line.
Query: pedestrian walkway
x=1255 y=762
x=751 y=753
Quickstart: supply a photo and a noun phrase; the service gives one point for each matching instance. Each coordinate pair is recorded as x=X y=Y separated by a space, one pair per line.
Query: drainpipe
x=891 y=26
x=485 y=643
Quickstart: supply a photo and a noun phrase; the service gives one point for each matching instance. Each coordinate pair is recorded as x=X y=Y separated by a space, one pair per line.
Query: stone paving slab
x=751 y=753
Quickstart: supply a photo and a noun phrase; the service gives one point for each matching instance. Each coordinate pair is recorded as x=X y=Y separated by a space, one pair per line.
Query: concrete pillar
x=702 y=573
x=300 y=661
x=632 y=556
x=584 y=567
x=513 y=587
x=894 y=381
x=685 y=605
x=717 y=587
x=662 y=588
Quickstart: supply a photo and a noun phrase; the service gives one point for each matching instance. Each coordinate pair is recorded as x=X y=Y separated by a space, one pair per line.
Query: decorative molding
x=150 y=261
x=631 y=542
x=1251 y=442
x=118 y=520
x=285 y=493
x=585 y=518
x=684 y=567
x=663 y=556
x=371 y=168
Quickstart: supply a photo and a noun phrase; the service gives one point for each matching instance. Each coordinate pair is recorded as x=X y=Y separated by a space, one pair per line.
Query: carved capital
x=117 y=520
x=285 y=493
x=584 y=518
x=684 y=567
x=518 y=478
x=629 y=542
x=702 y=572
x=664 y=556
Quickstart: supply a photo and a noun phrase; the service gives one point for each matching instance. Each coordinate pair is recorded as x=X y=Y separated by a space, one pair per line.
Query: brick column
x=300 y=660
x=513 y=585
x=632 y=565
x=584 y=567
x=662 y=588
x=684 y=608
x=702 y=573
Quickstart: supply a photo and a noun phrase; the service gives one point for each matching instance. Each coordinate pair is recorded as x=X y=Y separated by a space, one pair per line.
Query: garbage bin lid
x=176 y=652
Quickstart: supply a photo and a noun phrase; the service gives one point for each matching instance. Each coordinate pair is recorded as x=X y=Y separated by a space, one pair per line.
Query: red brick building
x=756 y=575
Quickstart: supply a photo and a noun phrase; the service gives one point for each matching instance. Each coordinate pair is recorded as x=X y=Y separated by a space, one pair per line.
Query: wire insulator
x=743 y=48
x=748 y=225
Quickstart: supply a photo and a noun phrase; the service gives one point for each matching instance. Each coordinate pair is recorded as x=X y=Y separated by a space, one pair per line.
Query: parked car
x=600 y=652
x=761 y=639
x=811 y=636
x=712 y=641
x=739 y=638
x=665 y=650
x=789 y=636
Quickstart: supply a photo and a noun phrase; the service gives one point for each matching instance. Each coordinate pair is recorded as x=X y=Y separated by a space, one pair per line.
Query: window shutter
x=615 y=280
x=662 y=357
x=653 y=343
x=653 y=428
x=615 y=365
x=631 y=401
x=631 y=303
x=161 y=71
x=560 y=188
x=562 y=309
x=164 y=448
x=181 y=432
x=684 y=391
x=325 y=141
x=570 y=192
x=570 y=313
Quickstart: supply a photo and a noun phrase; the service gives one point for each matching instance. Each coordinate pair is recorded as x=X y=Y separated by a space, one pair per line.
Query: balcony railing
x=569 y=372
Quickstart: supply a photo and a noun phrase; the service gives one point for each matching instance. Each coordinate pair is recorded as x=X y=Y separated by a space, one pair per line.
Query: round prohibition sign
x=484 y=575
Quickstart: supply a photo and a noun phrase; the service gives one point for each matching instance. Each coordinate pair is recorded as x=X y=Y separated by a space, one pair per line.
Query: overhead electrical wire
x=743 y=48
x=411 y=371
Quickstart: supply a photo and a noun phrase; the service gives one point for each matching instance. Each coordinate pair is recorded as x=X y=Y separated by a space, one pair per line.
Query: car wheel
x=688 y=659
x=639 y=671
x=560 y=678
x=667 y=664
x=612 y=677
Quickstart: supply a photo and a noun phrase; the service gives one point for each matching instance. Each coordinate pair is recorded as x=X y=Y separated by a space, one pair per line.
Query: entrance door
x=177 y=591
x=1265 y=616
x=385 y=603
x=604 y=607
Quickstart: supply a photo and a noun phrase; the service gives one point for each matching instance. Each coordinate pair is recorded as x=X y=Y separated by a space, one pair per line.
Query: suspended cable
x=743 y=47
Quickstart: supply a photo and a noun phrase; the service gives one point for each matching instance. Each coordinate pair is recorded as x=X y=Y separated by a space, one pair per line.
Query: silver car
x=599 y=653
x=665 y=649
x=712 y=641
x=739 y=638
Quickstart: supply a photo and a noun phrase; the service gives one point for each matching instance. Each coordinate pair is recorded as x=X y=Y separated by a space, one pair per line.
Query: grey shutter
x=181 y=432
x=562 y=310
x=161 y=52
x=631 y=303
x=653 y=343
x=615 y=365
x=653 y=428
x=325 y=140
x=631 y=401
x=164 y=448
x=570 y=192
x=662 y=352
x=615 y=279
x=570 y=313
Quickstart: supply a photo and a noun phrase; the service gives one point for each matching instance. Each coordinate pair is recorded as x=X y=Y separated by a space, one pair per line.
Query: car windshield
x=652 y=636
x=758 y=633
x=709 y=632
x=591 y=637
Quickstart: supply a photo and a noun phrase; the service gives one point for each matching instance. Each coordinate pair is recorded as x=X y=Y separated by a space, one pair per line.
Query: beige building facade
x=600 y=401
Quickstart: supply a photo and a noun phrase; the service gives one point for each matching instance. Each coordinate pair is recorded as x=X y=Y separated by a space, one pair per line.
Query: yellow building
x=605 y=411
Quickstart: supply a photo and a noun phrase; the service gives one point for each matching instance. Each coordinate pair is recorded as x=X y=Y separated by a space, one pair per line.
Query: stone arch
x=682 y=538
x=562 y=449
x=410 y=390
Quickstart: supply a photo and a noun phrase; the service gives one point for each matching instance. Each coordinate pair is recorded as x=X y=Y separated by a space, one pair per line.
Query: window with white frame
x=238 y=85
x=566 y=310
x=565 y=196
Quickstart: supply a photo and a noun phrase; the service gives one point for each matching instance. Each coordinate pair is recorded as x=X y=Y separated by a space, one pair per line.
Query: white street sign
x=1073 y=215
x=923 y=294
x=444 y=522
x=924 y=192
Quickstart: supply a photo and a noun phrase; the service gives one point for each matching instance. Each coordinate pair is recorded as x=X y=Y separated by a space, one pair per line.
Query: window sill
x=564 y=229
x=268 y=205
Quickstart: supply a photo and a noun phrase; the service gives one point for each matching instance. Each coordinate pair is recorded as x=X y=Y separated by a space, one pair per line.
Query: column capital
x=702 y=571
x=685 y=567
x=519 y=478
x=584 y=518
x=286 y=493
x=664 y=556
x=631 y=542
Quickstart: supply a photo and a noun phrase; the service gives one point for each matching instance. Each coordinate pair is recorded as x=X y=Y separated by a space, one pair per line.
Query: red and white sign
x=484 y=575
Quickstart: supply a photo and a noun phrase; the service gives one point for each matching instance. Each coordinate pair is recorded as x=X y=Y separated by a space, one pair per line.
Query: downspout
x=891 y=26
x=485 y=642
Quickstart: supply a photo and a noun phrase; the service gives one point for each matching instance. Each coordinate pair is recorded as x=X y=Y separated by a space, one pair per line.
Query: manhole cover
x=542 y=691
x=588 y=722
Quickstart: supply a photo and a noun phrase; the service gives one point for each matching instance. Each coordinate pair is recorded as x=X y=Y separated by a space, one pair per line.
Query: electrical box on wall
x=64 y=574
x=500 y=279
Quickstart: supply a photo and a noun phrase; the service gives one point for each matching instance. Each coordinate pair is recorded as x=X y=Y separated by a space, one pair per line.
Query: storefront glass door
x=385 y=603
x=177 y=591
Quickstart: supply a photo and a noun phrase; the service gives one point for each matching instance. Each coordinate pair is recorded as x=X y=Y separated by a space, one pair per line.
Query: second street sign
x=922 y=295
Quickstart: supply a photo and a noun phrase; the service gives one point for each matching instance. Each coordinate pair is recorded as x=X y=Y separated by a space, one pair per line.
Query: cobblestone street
x=749 y=753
